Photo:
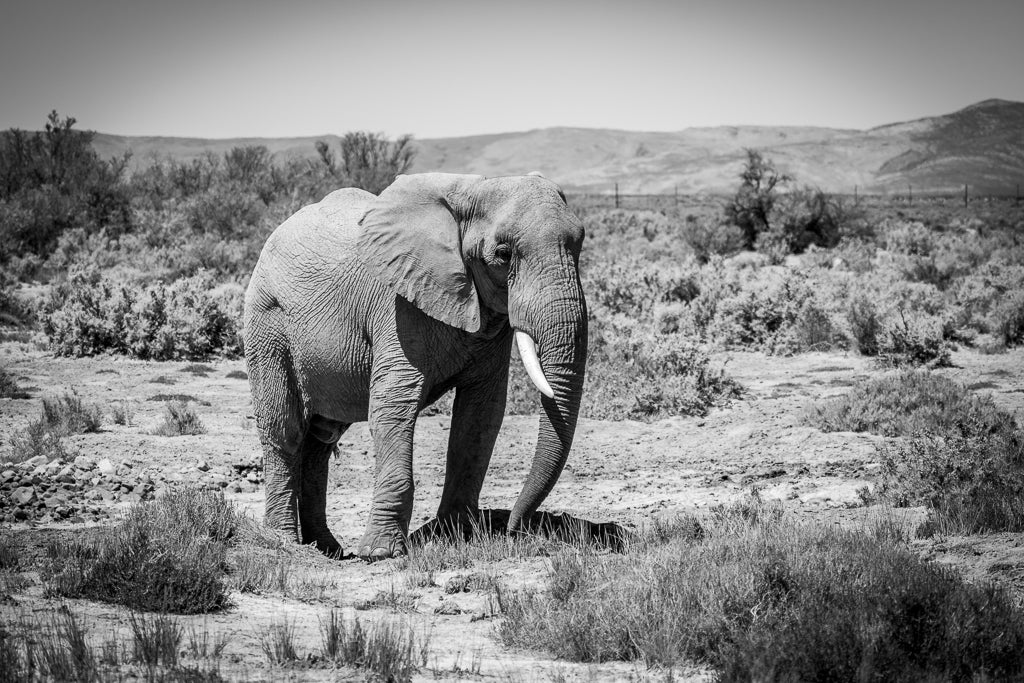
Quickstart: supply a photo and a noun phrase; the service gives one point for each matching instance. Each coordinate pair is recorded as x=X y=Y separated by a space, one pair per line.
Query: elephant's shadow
x=557 y=526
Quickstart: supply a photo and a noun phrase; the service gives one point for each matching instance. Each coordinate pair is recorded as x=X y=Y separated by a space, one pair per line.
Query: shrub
x=755 y=198
x=69 y=415
x=368 y=160
x=180 y=419
x=964 y=457
x=168 y=555
x=9 y=385
x=91 y=314
x=37 y=439
x=865 y=325
x=906 y=403
x=919 y=340
x=652 y=376
x=53 y=180
x=761 y=597
x=774 y=314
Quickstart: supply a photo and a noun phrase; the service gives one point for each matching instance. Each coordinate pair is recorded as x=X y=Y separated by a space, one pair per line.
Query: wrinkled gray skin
x=370 y=308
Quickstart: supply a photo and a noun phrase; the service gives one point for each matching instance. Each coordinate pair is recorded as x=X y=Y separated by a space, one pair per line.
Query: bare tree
x=368 y=160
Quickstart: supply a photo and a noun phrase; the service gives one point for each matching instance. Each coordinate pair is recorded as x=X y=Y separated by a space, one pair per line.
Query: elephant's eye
x=503 y=253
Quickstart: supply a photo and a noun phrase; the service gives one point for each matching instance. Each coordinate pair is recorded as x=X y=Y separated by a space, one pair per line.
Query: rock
x=8 y=476
x=122 y=470
x=456 y=584
x=85 y=463
x=23 y=495
x=106 y=467
x=54 y=501
x=253 y=477
x=203 y=466
x=33 y=463
x=448 y=606
x=235 y=487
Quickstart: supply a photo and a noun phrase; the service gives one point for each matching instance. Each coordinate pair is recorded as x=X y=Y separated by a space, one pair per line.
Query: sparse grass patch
x=56 y=648
x=237 y=374
x=278 y=642
x=200 y=369
x=155 y=639
x=387 y=649
x=763 y=597
x=180 y=419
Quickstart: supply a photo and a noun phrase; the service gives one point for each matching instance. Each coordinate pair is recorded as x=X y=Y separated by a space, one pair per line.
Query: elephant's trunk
x=561 y=335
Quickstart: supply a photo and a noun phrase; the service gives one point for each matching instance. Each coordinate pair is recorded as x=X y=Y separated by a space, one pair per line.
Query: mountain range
x=981 y=146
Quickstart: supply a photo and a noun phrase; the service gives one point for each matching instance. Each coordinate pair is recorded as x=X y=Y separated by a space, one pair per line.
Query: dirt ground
x=625 y=472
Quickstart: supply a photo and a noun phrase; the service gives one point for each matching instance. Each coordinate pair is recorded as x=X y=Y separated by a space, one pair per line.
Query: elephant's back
x=303 y=257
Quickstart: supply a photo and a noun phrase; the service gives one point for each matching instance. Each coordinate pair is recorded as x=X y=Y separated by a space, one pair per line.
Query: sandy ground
x=626 y=472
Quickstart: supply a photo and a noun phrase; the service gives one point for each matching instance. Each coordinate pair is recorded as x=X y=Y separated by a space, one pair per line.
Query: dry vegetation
x=151 y=266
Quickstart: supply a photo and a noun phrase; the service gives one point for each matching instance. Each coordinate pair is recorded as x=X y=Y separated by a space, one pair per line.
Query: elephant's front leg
x=477 y=414
x=394 y=403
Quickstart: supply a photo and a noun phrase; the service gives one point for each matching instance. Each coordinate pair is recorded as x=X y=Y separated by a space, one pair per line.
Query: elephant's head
x=466 y=250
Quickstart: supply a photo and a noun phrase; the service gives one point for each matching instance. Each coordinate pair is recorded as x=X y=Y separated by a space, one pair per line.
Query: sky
x=259 y=68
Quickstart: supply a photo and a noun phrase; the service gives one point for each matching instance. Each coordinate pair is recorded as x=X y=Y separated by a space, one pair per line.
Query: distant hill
x=981 y=145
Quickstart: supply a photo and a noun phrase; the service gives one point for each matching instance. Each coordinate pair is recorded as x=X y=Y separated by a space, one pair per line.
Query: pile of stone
x=81 y=490
x=84 y=489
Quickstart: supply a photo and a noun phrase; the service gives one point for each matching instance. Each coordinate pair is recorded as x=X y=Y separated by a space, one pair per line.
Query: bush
x=964 y=457
x=774 y=315
x=168 y=555
x=650 y=376
x=906 y=403
x=53 y=180
x=180 y=419
x=865 y=325
x=368 y=160
x=921 y=340
x=761 y=597
x=90 y=314
x=9 y=385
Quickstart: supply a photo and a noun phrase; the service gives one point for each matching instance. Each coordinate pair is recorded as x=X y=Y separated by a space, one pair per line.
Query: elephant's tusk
x=528 y=353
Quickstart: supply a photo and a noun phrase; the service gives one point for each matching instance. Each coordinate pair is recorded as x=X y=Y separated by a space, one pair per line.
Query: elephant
x=370 y=308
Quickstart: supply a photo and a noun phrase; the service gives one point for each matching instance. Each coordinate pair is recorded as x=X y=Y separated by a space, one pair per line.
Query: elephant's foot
x=325 y=542
x=381 y=545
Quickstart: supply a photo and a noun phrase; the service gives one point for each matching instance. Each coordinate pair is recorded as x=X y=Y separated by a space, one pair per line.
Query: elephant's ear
x=409 y=240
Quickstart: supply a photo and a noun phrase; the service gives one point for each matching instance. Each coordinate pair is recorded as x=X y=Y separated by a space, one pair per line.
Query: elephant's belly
x=336 y=382
x=343 y=398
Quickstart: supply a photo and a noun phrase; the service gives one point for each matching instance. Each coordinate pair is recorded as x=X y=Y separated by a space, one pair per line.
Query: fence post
x=910 y=194
x=616 y=195
x=965 y=194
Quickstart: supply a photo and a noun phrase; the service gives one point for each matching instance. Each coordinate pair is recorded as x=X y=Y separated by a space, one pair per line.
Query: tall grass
x=387 y=650
x=763 y=597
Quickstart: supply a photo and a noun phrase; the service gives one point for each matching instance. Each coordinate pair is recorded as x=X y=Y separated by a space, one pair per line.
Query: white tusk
x=528 y=353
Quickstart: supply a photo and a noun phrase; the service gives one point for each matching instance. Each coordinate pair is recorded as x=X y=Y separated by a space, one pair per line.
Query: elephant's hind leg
x=279 y=416
x=315 y=454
